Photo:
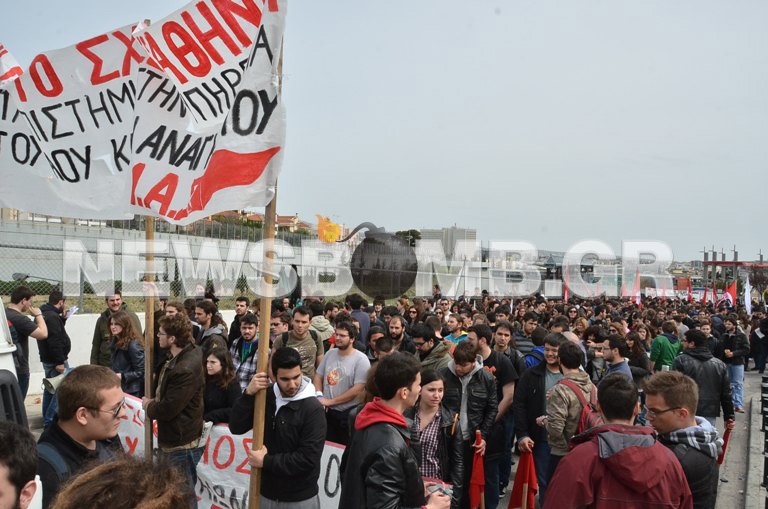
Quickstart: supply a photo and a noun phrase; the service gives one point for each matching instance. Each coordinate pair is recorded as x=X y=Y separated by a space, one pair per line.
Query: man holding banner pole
x=294 y=437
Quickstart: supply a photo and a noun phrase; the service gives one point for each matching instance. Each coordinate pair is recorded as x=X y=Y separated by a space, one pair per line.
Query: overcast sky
x=549 y=122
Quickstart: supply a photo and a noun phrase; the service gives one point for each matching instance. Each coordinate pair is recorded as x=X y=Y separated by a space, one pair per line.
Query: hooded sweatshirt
x=463 y=421
x=306 y=390
x=664 y=349
x=322 y=326
x=375 y=412
x=615 y=465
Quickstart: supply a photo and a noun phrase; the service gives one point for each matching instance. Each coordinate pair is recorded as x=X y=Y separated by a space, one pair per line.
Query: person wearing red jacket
x=618 y=464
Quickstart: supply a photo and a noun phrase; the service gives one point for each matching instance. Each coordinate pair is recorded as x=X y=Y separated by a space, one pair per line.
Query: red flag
x=525 y=485
x=567 y=282
x=690 y=291
x=730 y=293
x=624 y=289
x=714 y=293
x=636 y=288
x=477 y=481
x=726 y=438
x=664 y=291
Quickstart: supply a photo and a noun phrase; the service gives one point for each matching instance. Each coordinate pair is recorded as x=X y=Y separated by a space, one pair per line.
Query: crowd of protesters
x=417 y=388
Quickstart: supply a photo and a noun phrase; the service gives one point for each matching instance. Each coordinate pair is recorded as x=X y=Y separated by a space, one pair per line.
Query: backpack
x=49 y=454
x=589 y=417
x=533 y=358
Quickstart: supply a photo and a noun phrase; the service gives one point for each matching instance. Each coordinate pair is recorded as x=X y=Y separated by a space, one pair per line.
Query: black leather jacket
x=449 y=449
x=701 y=472
x=129 y=362
x=482 y=403
x=381 y=470
x=529 y=403
x=711 y=375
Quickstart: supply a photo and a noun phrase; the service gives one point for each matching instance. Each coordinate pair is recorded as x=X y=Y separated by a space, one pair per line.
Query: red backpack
x=590 y=416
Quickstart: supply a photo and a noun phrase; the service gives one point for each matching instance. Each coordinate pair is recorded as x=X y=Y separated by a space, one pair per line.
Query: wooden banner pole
x=265 y=315
x=149 y=326
x=149 y=330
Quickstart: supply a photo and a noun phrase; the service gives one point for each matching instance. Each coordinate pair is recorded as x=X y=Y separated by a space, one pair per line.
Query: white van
x=6 y=344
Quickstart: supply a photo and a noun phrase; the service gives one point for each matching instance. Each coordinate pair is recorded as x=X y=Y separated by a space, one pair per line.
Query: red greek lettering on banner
x=231 y=444
x=54 y=88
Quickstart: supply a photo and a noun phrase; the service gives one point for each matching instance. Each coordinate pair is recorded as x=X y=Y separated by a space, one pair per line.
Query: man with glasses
x=672 y=400
x=432 y=353
x=279 y=325
x=90 y=407
x=178 y=403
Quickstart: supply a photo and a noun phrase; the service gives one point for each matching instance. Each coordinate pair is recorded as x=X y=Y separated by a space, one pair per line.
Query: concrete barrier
x=80 y=329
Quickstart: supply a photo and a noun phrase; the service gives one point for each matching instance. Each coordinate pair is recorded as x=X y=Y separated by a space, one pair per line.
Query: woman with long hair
x=645 y=335
x=412 y=317
x=221 y=386
x=439 y=444
x=127 y=349
x=580 y=326
x=638 y=360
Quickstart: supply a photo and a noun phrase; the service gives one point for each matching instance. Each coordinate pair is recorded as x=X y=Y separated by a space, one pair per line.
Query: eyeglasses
x=413 y=312
x=655 y=413
x=115 y=413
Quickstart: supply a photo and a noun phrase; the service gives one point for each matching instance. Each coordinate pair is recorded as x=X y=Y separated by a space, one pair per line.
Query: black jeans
x=338 y=426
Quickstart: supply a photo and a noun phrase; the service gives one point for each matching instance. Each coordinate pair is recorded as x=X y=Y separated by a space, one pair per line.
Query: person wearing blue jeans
x=186 y=461
x=54 y=350
x=50 y=402
x=733 y=349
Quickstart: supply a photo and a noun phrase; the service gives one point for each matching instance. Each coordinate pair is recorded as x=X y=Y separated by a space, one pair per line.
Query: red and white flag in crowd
x=636 y=288
x=730 y=293
x=9 y=68
x=567 y=282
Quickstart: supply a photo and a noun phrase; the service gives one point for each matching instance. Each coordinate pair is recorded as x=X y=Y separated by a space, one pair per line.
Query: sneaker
x=502 y=489
x=739 y=410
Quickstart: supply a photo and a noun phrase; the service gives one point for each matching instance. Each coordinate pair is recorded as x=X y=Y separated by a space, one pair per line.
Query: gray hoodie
x=465 y=431
x=322 y=326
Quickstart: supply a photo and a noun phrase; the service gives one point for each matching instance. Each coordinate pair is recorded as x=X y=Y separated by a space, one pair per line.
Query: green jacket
x=102 y=337
x=664 y=349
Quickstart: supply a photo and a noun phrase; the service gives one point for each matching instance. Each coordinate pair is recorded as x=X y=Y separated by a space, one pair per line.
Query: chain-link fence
x=33 y=254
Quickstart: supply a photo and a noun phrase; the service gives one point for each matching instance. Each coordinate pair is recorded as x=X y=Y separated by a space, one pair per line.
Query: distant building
x=449 y=237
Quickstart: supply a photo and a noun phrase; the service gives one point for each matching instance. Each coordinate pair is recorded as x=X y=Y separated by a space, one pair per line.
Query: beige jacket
x=564 y=412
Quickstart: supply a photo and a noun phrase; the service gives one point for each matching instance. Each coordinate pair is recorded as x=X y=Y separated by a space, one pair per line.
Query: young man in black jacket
x=530 y=408
x=294 y=433
x=90 y=409
x=381 y=469
x=711 y=376
x=672 y=399
x=54 y=350
x=470 y=391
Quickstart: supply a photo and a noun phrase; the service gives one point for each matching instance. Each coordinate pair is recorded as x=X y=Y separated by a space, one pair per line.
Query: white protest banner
x=132 y=427
x=100 y=129
x=78 y=102
x=9 y=68
x=223 y=473
x=182 y=169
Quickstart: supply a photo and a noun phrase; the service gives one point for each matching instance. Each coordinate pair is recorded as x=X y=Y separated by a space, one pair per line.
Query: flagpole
x=265 y=309
x=149 y=330
x=149 y=325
